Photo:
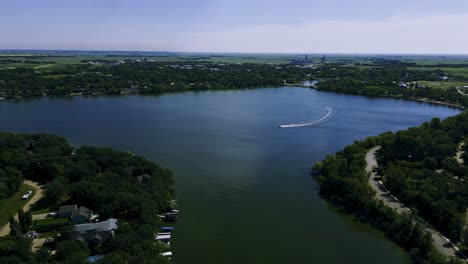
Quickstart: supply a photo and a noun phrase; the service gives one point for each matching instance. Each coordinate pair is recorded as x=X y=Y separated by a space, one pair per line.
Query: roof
x=143 y=178
x=92 y=259
x=67 y=209
x=167 y=228
x=108 y=225
x=97 y=237
x=82 y=211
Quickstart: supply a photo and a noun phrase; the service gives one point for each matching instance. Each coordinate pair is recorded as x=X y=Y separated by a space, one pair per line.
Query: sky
x=265 y=26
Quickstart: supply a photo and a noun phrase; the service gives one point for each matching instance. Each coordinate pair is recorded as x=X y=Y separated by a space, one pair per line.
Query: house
x=81 y=215
x=108 y=225
x=77 y=215
x=66 y=211
x=93 y=239
x=95 y=234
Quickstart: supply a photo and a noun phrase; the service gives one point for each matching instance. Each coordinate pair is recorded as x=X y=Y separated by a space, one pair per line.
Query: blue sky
x=332 y=26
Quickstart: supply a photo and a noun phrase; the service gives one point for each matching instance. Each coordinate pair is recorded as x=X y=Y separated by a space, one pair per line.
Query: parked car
x=52 y=214
x=31 y=234
x=26 y=195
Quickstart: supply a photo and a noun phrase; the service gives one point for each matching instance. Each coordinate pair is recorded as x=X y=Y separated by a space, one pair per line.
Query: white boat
x=323 y=119
x=163 y=237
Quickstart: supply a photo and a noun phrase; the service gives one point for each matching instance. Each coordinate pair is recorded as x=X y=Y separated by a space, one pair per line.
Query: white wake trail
x=323 y=119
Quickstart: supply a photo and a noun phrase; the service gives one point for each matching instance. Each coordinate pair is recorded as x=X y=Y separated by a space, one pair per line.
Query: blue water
x=243 y=184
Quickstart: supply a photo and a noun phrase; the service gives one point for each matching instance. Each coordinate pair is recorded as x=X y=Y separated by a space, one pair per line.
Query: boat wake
x=328 y=115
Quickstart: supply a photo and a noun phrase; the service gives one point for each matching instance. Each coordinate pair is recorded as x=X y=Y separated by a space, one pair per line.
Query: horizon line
x=234 y=52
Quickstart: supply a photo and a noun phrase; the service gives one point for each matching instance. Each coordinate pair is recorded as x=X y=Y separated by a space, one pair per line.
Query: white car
x=52 y=214
x=26 y=195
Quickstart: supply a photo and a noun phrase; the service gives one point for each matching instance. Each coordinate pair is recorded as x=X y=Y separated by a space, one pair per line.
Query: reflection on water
x=243 y=184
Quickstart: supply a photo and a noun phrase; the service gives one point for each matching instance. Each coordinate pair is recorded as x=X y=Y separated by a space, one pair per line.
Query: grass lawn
x=49 y=209
x=49 y=221
x=11 y=206
x=48 y=234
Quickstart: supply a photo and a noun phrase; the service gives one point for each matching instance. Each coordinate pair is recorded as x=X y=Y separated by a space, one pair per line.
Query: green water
x=243 y=184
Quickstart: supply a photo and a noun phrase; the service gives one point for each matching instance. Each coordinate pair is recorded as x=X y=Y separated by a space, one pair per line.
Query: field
x=450 y=71
x=442 y=85
x=78 y=57
x=11 y=206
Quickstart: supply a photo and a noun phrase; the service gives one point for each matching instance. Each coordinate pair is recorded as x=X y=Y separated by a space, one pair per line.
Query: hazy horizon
x=398 y=27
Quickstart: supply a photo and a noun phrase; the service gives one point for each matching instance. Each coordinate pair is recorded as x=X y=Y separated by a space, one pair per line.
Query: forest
x=101 y=179
x=142 y=78
x=418 y=167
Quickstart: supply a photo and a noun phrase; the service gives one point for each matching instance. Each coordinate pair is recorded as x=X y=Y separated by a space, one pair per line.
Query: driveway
x=5 y=230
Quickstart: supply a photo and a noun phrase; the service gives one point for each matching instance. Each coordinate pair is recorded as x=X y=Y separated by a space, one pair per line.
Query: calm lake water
x=243 y=184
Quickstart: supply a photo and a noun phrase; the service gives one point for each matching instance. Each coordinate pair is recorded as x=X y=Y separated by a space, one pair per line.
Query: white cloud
x=446 y=34
x=422 y=34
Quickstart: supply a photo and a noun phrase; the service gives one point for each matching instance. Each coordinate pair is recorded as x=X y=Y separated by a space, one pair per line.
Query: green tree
x=72 y=252
x=15 y=228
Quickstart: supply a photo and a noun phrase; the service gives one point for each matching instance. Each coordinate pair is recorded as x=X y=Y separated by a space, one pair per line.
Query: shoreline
x=423 y=100
x=439 y=103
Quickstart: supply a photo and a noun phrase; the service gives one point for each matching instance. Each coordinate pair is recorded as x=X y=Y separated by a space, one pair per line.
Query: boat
x=167 y=229
x=323 y=119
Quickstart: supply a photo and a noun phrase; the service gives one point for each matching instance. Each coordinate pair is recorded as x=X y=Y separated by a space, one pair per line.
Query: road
x=37 y=244
x=460 y=92
x=389 y=200
x=5 y=230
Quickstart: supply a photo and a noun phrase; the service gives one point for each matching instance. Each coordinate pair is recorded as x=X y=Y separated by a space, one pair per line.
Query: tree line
x=142 y=78
x=386 y=82
x=417 y=167
x=101 y=179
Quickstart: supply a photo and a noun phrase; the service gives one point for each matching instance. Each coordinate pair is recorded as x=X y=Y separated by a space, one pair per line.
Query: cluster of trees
x=385 y=81
x=418 y=167
x=143 y=78
x=101 y=179
x=22 y=225
x=350 y=86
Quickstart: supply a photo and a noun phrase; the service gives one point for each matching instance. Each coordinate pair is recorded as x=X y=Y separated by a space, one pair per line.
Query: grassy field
x=12 y=205
x=61 y=58
x=442 y=85
x=79 y=57
x=449 y=71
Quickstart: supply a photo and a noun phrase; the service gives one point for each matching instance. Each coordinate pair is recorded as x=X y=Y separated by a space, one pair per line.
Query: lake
x=243 y=184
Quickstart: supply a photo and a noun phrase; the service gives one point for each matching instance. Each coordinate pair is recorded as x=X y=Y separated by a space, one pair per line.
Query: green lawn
x=49 y=209
x=49 y=221
x=12 y=205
